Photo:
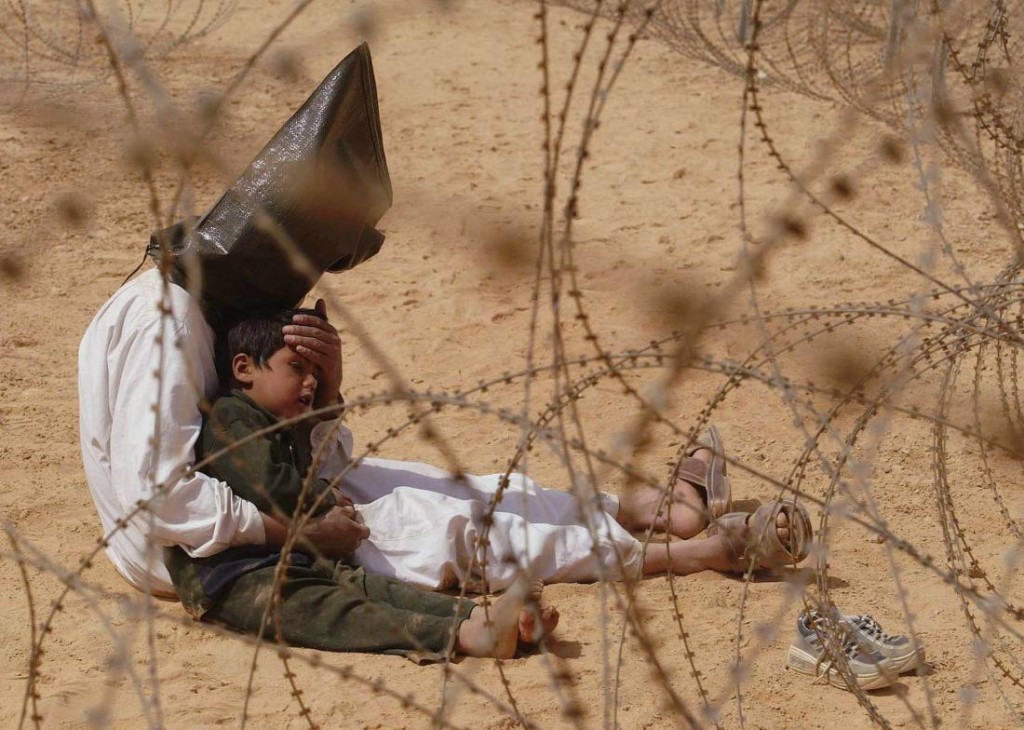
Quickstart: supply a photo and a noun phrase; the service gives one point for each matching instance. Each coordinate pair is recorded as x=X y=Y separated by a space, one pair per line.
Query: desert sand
x=448 y=302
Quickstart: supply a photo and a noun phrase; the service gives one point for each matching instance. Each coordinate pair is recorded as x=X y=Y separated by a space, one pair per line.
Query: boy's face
x=285 y=385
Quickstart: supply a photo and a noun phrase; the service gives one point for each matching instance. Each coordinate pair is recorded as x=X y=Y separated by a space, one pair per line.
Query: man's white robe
x=426 y=527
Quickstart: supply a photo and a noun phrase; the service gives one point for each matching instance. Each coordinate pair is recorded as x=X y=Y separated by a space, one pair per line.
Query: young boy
x=323 y=604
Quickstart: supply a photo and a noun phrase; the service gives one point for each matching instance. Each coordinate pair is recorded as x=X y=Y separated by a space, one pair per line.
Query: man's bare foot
x=743 y=541
x=782 y=527
x=685 y=517
x=514 y=617
x=714 y=553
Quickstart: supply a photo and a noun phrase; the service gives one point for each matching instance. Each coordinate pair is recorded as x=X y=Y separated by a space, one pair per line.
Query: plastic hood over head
x=307 y=204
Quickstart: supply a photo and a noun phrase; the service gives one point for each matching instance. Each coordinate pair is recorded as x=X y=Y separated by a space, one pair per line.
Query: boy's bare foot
x=514 y=617
x=531 y=630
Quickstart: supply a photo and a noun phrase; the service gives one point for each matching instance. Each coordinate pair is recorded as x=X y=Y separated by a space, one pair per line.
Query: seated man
x=145 y=364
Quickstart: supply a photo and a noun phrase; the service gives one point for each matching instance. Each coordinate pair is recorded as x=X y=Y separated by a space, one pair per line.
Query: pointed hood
x=307 y=204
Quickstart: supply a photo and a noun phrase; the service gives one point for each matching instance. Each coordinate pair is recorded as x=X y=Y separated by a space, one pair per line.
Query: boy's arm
x=259 y=468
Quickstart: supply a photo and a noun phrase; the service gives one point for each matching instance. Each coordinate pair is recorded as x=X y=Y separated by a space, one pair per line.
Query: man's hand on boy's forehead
x=316 y=340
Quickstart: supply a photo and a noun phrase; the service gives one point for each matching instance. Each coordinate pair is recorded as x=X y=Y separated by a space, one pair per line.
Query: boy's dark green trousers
x=330 y=606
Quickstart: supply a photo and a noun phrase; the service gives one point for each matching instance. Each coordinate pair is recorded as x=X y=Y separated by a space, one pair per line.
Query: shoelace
x=851 y=648
x=872 y=628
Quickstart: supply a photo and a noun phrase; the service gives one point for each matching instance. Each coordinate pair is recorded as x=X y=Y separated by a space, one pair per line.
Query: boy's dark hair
x=256 y=334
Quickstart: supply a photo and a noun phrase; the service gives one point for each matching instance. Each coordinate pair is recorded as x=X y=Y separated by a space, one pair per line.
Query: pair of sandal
x=751 y=538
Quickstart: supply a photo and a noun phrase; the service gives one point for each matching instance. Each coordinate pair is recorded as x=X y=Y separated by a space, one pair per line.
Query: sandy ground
x=658 y=231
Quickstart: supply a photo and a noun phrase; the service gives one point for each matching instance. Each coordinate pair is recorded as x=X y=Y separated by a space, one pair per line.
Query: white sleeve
x=331 y=444
x=157 y=372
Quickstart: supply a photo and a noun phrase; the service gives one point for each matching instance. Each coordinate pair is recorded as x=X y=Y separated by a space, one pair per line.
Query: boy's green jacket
x=263 y=466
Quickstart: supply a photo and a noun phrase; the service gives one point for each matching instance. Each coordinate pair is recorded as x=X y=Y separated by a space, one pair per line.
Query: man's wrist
x=276 y=532
x=338 y=401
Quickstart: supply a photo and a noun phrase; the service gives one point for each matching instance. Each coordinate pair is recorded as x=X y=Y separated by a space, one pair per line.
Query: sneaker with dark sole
x=902 y=654
x=807 y=655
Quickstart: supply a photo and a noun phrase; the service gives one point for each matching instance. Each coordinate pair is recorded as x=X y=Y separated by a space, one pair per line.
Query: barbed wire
x=942 y=80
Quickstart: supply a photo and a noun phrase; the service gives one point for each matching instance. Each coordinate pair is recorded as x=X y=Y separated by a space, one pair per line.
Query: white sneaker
x=807 y=654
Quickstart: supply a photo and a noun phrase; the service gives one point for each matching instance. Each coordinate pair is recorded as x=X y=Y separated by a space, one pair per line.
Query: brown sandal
x=710 y=477
x=752 y=538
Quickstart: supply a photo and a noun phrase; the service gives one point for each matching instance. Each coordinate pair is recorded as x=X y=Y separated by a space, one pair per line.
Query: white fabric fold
x=425 y=526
